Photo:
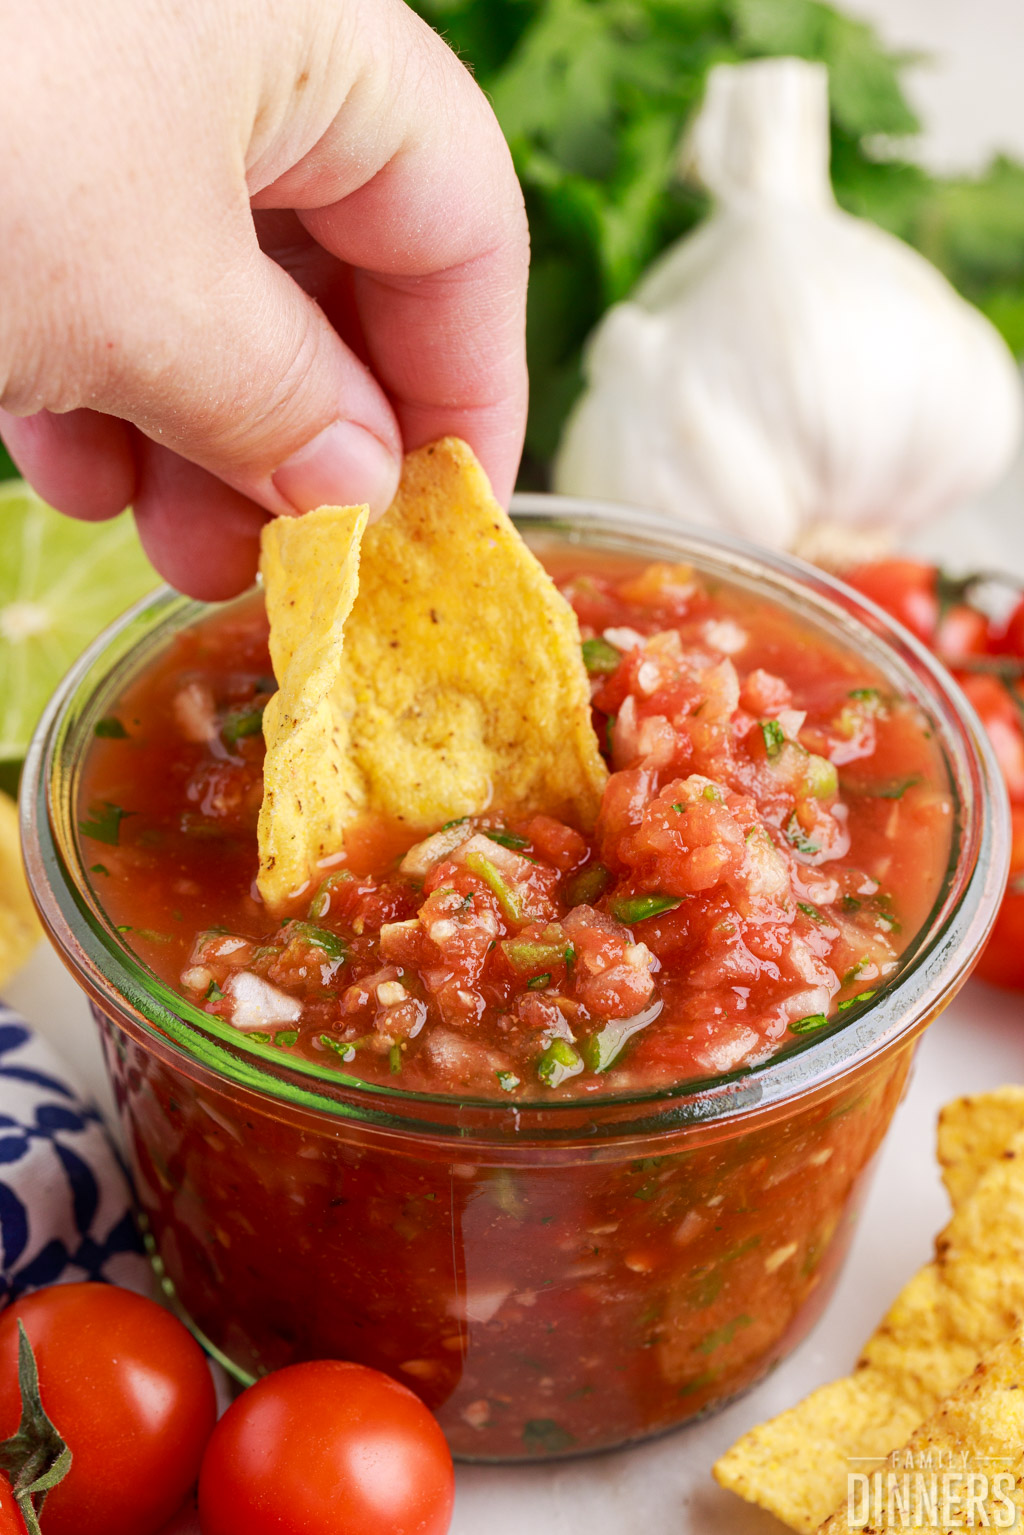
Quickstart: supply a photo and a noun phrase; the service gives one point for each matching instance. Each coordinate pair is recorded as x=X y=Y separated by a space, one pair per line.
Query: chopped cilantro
x=862 y=996
x=809 y=1024
x=706 y=1378
x=851 y=903
x=239 y=724
x=600 y=658
x=98 y=868
x=286 y=1037
x=320 y=938
x=799 y=839
x=460 y=820
x=774 y=737
x=637 y=908
x=213 y=992
x=539 y=982
x=346 y=1048
x=260 y=1037
x=897 y=788
x=866 y=696
x=507 y=1081
x=104 y=822
x=677 y=806
x=810 y=911
x=507 y=838
x=722 y=1335
x=648 y=1191
x=110 y=729
x=893 y=788
x=888 y=923
x=546 y=1437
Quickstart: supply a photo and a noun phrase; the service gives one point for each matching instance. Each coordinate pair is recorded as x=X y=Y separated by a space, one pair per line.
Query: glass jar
x=551 y=1277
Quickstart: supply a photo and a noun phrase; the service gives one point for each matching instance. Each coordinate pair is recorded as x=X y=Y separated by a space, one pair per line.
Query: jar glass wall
x=552 y=1277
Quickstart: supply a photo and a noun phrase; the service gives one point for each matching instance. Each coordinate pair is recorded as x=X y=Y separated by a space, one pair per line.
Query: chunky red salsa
x=773 y=832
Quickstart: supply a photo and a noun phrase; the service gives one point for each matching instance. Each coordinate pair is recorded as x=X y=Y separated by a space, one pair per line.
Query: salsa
x=553 y=1267
x=774 y=831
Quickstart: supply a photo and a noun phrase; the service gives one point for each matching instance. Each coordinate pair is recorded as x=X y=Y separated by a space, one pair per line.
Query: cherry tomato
x=1002 y=962
x=1003 y=724
x=130 y=1392
x=326 y=1448
x=1010 y=640
x=11 y=1522
x=904 y=588
x=962 y=632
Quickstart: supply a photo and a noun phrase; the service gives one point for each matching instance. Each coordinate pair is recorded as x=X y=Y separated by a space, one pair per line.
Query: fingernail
x=344 y=465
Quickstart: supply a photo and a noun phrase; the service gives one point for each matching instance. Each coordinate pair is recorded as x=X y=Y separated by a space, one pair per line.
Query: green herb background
x=594 y=95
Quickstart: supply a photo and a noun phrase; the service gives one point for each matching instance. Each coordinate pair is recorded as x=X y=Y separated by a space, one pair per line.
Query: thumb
x=263 y=393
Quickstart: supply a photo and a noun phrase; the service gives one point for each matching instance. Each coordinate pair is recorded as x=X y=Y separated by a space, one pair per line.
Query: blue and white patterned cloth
x=65 y=1201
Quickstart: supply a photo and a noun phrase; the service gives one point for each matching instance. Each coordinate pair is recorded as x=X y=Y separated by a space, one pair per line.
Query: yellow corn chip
x=460 y=688
x=973 y=1132
x=964 y=1466
x=310 y=573
x=964 y=1302
x=19 y=926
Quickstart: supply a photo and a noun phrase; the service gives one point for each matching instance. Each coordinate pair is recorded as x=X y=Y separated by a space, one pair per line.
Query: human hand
x=180 y=184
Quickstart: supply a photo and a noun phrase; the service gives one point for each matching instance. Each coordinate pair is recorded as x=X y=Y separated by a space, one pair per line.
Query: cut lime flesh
x=61 y=582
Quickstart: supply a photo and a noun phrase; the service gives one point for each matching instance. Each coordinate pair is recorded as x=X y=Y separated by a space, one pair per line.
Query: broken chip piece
x=433 y=672
x=962 y=1303
x=962 y=1468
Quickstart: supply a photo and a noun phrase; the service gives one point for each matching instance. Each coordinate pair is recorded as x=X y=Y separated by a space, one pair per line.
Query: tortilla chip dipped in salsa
x=429 y=669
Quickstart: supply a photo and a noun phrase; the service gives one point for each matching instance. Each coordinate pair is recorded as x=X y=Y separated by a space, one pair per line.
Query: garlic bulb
x=787 y=371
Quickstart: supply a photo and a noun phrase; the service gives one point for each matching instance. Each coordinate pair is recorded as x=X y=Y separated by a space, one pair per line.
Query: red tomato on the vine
x=11 y=1522
x=128 y=1389
x=1002 y=961
x=984 y=657
x=904 y=588
x=1010 y=640
x=1003 y=723
x=326 y=1448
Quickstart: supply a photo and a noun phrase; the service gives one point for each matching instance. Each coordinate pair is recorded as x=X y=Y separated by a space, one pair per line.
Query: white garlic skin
x=787 y=365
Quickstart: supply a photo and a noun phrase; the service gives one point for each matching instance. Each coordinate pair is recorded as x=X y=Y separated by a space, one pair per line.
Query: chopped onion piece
x=258 y=1005
x=421 y=858
x=624 y=638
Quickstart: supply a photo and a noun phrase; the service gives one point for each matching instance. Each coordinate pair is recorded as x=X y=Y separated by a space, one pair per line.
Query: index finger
x=437 y=241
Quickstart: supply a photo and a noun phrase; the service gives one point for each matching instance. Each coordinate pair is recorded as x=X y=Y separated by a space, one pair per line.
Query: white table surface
x=665 y=1488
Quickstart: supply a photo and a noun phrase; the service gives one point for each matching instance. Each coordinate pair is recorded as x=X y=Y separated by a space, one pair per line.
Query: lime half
x=61 y=582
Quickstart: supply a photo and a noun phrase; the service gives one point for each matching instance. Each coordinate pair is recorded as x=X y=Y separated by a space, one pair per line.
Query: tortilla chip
x=461 y=687
x=961 y=1304
x=977 y=1433
x=975 y=1131
x=19 y=926
x=310 y=571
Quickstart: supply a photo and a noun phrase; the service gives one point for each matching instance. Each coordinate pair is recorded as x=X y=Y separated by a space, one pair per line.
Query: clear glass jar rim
x=936 y=960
